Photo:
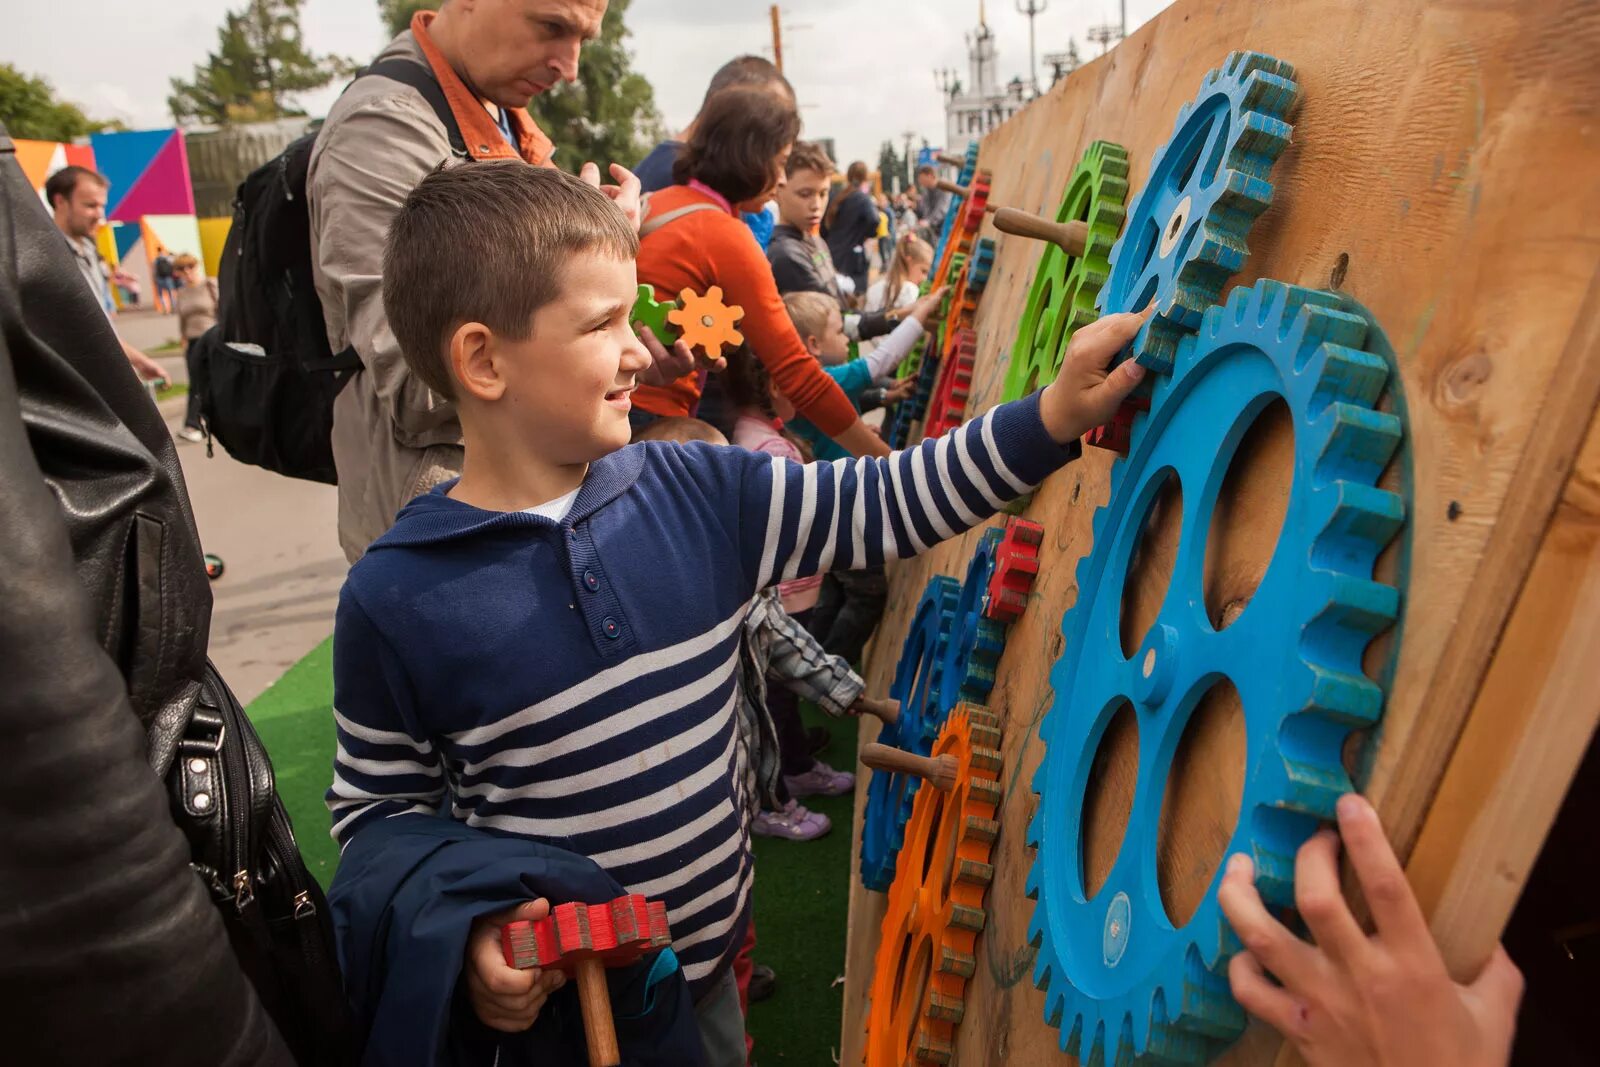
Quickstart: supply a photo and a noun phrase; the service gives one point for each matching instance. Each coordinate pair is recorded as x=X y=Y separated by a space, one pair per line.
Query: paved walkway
x=276 y=535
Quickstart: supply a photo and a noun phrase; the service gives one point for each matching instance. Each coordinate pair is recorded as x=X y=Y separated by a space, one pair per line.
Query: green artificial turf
x=801 y=888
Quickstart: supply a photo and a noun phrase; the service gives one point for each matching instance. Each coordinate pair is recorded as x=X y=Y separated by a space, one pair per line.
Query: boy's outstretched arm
x=1384 y=999
x=802 y=519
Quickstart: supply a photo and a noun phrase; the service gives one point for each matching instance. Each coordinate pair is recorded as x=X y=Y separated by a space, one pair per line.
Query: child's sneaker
x=793 y=823
x=820 y=781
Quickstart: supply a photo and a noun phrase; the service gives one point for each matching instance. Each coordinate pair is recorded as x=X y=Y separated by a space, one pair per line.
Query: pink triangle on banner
x=163 y=188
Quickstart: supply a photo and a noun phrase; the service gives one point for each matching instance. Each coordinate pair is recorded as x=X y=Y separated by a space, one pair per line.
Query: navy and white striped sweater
x=575 y=682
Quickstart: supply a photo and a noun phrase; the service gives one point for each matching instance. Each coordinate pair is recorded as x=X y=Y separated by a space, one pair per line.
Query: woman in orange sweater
x=733 y=161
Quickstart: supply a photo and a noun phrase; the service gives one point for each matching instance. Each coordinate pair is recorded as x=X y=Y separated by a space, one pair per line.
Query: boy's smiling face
x=568 y=384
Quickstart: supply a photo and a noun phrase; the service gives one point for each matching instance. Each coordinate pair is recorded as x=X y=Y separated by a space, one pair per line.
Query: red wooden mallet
x=582 y=940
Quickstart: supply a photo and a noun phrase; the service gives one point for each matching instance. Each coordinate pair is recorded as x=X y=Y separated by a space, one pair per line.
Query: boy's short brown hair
x=485 y=242
x=809 y=312
x=808 y=156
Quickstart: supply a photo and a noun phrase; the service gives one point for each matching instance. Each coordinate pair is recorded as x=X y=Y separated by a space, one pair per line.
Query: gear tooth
x=1338 y=372
x=1275 y=876
x=1353 y=442
x=1355 y=522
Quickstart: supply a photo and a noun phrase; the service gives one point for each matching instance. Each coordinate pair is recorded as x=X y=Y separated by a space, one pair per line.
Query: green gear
x=1064 y=287
x=647 y=311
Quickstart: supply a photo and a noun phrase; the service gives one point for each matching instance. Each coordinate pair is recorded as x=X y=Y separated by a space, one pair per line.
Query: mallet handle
x=1071 y=236
x=599 y=1030
x=939 y=770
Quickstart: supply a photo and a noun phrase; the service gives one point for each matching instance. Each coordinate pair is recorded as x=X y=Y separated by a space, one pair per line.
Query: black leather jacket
x=110 y=948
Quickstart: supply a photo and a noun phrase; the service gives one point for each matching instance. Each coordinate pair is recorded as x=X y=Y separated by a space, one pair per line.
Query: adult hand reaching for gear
x=1384 y=999
x=626 y=194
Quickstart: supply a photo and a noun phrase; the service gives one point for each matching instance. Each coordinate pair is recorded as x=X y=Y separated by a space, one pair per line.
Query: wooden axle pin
x=950 y=160
x=940 y=771
x=1070 y=236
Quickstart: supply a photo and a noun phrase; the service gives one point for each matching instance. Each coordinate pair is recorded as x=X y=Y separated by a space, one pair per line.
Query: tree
x=608 y=116
x=260 y=65
x=30 y=111
x=891 y=168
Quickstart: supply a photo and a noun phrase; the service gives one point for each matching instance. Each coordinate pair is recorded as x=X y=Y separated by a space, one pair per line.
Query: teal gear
x=973 y=652
x=916 y=687
x=982 y=264
x=1186 y=230
x=1121 y=983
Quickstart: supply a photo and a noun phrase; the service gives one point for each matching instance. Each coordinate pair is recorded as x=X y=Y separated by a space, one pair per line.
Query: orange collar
x=479 y=131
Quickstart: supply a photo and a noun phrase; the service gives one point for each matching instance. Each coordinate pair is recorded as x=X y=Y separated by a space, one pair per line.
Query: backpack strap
x=655 y=222
x=419 y=77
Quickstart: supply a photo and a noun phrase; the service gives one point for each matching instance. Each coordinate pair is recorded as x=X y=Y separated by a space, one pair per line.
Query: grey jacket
x=393 y=437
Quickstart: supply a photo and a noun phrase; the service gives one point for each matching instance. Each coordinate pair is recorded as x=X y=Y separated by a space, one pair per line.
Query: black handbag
x=108 y=460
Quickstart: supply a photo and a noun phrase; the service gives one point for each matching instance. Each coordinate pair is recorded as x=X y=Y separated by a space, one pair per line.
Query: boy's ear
x=472 y=362
x=813 y=343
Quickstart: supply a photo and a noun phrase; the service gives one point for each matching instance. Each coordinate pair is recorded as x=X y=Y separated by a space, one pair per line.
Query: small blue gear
x=973 y=651
x=969 y=168
x=916 y=687
x=913 y=407
x=1185 y=234
x=1121 y=983
x=982 y=264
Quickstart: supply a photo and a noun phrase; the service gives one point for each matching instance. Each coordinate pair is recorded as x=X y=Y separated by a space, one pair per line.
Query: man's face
x=516 y=49
x=926 y=180
x=569 y=382
x=802 y=199
x=81 y=213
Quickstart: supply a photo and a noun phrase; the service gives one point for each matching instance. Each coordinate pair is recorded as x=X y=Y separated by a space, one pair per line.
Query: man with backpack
x=452 y=87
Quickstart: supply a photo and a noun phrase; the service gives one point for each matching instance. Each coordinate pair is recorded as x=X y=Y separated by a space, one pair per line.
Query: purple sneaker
x=820 y=781
x=793 y=823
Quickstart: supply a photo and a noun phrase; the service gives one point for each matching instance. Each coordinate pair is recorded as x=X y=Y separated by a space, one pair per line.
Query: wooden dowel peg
x=1070 y=236
x=951 y=187
x=885 y=709
x=599 y=1029
x=950 y=160
x=940 y=771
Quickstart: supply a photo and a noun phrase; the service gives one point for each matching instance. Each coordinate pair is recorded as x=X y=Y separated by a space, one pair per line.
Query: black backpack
x=234 y=877
x=269 y=376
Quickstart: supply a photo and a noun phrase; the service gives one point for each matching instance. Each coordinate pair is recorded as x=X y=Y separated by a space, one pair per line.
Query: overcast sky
x=862 y=68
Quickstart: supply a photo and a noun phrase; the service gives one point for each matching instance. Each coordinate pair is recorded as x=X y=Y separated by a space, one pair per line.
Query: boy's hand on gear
x=1347 y=997
x=1086 y=393
x=626 y=193
x=670 y=364
x=927 y=305
x=505 y=998
x=900 y=390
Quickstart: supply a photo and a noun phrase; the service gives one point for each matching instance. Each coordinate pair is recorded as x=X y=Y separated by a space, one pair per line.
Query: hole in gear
x=1143 y=252
x=930 y=852
x=1144 y=589
x=1200 y=806
x=916 y=988
x=947 y=826
x=1248 y=514
x=1108 y=797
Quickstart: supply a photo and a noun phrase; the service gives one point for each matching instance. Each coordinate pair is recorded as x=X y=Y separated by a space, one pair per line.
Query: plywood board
x=1442 y=173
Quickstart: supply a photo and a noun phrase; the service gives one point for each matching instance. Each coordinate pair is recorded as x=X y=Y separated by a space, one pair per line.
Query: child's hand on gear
x=1384 y=1000
x=900 y=390
x=504 y=997
x=1086 y=393
x=884 y=708
x=927 y=305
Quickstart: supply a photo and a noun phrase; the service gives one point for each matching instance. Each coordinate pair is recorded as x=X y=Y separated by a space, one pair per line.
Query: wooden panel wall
x=1444 y=172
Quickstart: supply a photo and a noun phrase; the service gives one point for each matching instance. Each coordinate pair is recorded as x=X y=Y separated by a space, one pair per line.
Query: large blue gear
x=1121 y=983
x=973 y=651
x=916 y=687
x=1185 y=233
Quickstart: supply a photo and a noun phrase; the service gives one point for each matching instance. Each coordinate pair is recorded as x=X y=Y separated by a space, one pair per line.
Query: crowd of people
x=594 y=575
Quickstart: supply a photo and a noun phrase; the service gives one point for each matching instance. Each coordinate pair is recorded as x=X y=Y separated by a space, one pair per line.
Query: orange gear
x=929 y=936
x=965 y=233
x=707 y=323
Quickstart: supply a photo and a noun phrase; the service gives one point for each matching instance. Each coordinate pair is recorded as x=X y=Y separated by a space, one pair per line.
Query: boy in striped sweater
x=551 y=642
